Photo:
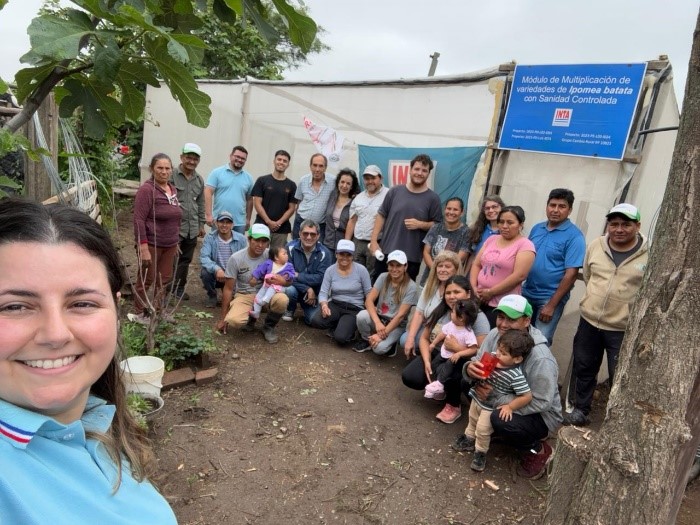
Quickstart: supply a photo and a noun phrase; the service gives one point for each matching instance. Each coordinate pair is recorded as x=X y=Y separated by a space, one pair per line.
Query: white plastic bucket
x=143 y=374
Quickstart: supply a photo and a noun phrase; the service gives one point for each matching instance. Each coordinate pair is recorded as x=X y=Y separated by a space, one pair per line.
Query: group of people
x=352 y=265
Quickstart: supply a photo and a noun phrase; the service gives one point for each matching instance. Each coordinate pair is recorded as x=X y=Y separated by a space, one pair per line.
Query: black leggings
x=413 y=376
x=342 y=320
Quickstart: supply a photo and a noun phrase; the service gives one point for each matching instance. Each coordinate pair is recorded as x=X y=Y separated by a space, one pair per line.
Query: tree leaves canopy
x=88 y=54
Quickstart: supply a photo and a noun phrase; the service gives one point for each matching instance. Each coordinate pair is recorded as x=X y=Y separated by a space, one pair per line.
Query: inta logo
x=562 y=117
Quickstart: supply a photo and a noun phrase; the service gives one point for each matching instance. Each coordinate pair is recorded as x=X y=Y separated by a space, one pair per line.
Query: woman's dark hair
x=442 y=308
x=515 y=210
x=457 y=200
x=355 y=188
x=22 y=220
x=467 y=311
x=477 y=229
x=157 y=157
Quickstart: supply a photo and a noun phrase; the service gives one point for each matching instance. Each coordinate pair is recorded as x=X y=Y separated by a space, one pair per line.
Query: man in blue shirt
x=561 y=248
x=229 y=188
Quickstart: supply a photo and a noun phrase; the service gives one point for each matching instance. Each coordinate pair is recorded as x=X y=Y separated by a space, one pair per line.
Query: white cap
x=190 y=147
x=626 y=210
x=259 y=231
x=372 y=170
x=345 y=246
x=398 y=256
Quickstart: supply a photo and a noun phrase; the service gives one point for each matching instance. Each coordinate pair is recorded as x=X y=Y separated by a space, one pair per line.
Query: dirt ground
x=306 y=432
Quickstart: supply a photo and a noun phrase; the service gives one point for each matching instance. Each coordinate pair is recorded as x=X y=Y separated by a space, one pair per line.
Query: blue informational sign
x=583 y=110
x=452 y=175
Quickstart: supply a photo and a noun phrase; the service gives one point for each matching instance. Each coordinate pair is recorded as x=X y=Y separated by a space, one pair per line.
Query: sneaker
x=361 y=346
x=464 y=443
x=270 y=335
x=576 y=417
x=211 y=302
x=479 y=461
x=533 y=465
x=393 y=351
x=449 y=414
x=433 y=389
x=288 y=316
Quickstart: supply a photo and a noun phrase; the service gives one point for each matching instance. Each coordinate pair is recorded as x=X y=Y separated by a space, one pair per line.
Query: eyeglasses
x=309 y=234
x=238 y=157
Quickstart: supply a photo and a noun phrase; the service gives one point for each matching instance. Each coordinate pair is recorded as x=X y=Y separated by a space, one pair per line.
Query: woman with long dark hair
x=69 y=447
x=420 y=371
x=347 y=187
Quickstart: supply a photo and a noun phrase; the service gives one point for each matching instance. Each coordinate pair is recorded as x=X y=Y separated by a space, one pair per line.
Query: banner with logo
x=582 y=110
x=451 y=176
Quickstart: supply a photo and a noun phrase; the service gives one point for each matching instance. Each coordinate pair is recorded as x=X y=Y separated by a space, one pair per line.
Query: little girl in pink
x=278 y=263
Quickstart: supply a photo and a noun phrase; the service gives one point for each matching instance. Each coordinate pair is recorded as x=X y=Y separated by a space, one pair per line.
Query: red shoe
x=449 y=414
x=534 y=465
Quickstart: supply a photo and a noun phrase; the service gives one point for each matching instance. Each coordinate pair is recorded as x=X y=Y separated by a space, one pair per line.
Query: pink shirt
x=464 y=335
x=498 y=263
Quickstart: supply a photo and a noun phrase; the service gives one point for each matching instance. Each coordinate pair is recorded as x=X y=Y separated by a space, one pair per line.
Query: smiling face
x=454 y=293
x=396 y=271
x=344 y=185
x=372 y=183
x=281 y=163
x=444 y=270
x=491 y=210
x=344 y=260
x=622 y=232
x=189 y=162
x=453 y=212
x=57 y=334
x=318 y=168
x=419 y=174
x=237 y=159
x=256 y=247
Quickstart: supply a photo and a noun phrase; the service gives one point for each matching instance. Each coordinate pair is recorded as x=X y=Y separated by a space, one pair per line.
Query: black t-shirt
x=276 y=197
x=620 y=257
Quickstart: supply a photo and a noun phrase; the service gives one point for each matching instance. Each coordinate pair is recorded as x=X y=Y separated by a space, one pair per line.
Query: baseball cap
x=514 y=306
x=398 y=256
x=191 y=148
x=373 y=170
x=259 y=231
x=345 y=246
x=224 y=215
x=626 y=210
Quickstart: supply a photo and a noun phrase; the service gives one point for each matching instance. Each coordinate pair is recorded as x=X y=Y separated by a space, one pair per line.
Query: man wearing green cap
x=236 y=306
x=531 y=424
x=613 y=271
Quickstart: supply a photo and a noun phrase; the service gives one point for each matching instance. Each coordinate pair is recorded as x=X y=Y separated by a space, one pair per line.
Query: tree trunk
x=639 y=459
x=37 y=184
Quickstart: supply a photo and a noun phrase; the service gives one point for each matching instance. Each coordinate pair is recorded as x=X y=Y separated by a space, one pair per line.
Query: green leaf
x=224 y=13
x=3 y=3
x=302 y=29
x=134 y=73
x=266 y=29
x=3 y=86
x=133 y=100
x=182 y=86
x=177 y=51
x=57 y=38
x=29 y=78
x=7 y=182
x=107 y=61
x=99 y=108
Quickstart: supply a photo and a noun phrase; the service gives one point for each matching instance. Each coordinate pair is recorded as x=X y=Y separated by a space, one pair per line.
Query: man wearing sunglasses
x=310 y=259
x=229 y=188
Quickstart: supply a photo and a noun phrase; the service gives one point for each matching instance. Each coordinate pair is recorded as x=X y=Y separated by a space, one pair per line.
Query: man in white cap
x=363 y=212
x=529 y=426
x=612 y=270
x=190 y=194
x=239 y=294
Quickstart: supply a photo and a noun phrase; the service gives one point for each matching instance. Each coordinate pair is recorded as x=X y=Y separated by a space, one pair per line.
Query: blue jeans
x=293 y=294
x=549 y=328
x=210 y=283
x=240 y=229
x=404 y=336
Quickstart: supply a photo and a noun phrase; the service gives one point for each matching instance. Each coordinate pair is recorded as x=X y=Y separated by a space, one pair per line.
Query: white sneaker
x=288 y=316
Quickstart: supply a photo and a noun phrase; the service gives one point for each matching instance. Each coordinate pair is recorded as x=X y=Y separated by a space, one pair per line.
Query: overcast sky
x=382 y=39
